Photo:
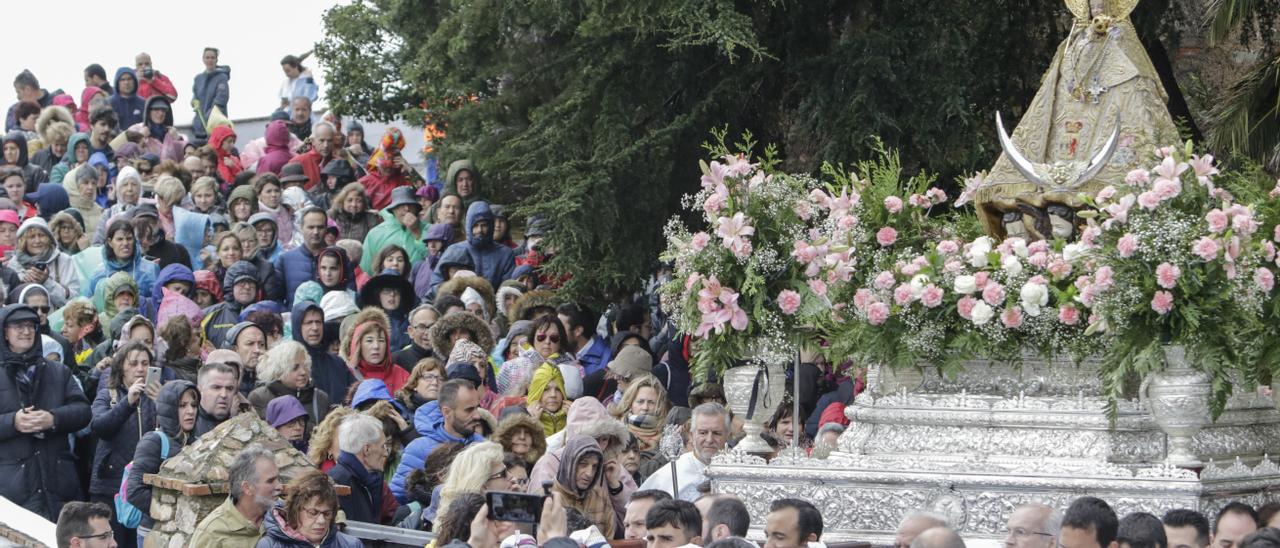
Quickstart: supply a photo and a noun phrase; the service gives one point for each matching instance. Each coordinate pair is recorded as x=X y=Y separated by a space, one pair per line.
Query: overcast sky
x=57 y=40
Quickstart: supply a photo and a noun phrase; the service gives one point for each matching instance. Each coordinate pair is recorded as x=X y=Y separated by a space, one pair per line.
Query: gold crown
x=1116 y=9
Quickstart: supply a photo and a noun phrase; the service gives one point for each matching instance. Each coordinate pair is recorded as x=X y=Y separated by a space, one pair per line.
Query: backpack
x=127 y=514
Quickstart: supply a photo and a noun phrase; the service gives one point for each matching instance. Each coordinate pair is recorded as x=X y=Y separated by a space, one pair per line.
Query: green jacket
x=390 y=232
x=226 y=528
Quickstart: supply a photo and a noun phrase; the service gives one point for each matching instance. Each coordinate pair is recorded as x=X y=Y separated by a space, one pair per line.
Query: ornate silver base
x=975 y=447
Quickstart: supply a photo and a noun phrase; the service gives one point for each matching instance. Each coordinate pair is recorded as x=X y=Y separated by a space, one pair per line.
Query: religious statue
x=1099 y=112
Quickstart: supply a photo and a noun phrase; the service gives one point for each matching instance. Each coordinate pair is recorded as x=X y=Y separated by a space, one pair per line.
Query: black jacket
x=37 y=470
x=328 y=372
x=360 y=504
x=118 y=428
x=147 y=458
x=410 y=356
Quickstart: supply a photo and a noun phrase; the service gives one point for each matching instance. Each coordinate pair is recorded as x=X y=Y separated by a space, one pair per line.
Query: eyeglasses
x=554 y=338
x=502 y=475
x=41 y=309
x=98 y=536
x=421 y=326
x=22 y=326
x=521 y=482
x=1018 y=532
x=313 y=513
x=433 y=377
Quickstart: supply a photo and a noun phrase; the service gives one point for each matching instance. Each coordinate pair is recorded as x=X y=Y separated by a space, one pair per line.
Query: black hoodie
x=33 y=174
x=147 y=458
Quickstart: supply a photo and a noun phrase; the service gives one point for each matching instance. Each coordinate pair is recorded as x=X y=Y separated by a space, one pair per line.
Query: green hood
x=454 y=168
x=105 y=290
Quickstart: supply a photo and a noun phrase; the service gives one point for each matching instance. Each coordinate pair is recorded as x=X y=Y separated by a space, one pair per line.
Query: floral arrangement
x=867 y=267
x=1180 y=257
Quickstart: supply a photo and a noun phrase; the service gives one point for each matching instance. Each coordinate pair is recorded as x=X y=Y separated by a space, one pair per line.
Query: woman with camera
x=37 y=260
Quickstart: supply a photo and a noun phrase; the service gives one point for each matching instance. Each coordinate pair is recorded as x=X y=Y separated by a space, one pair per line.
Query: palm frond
x=1247 y=118
x=1223 y=16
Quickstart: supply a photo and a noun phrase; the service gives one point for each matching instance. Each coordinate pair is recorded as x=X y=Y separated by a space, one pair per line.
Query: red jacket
x=227 y=172
x=158 y=83
x=311 y=166
x=379 y=185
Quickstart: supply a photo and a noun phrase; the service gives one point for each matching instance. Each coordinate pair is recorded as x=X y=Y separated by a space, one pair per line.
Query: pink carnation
x=1268 y=251
x=1012 y=317
x=1167 y=188
x=918 y=200
x=886 y=236
x=1137 y=177
x=1104 y=277
x=1149 y=200
x=931 y=296
x=1275 y=233
x=1127 y=245
x=847 y=222
x=1264 y=279
x=936 y=195
x=1244 y=224
x=1069 y=315
x=699 y=241
x=1106 y=193
x=803 y=209
x=818 y=287
x=1167 y=275
x=952 y=266
x=862 y=298
x=981 y=278
x=947 y=247
x=893 y=204
x=1039 y=260
x=789 y=301
x=1206 y=248
x=1162 y=302
x=1060 y=269
x=903 y=295
x=1217 y=220
x=884 y=280
x=965 y=306
x=993 y=294
x=910 y=269
x=877 y=313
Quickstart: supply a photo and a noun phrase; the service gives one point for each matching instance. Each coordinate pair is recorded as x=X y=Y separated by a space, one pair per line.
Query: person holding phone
x=122 y=413
x=37 y=260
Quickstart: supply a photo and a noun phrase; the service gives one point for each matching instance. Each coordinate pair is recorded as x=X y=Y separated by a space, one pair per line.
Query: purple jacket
x=277 y=155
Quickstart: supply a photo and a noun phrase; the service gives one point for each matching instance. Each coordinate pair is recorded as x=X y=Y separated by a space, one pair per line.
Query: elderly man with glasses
x=1033 y=526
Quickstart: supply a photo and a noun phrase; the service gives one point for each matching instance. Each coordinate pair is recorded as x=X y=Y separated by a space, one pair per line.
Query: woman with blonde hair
x=352 y=212
x=643 y=409
x=324 y=439
x=204 y=196
x=423 y=386
x=478 y=469
x=286 y=371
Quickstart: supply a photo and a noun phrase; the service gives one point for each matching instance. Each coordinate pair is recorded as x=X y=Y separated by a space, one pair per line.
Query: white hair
x=358 y=431
x=712 y=409
x=281 y=360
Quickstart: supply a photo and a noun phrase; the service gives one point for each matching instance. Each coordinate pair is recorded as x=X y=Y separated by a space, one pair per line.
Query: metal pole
x=796 y=425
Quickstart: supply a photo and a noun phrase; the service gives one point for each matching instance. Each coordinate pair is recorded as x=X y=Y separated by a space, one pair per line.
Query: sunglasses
x=554 y=338
x=41 y=309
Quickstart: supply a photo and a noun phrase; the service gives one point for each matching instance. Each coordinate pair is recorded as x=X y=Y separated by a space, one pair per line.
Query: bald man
x=938 y=537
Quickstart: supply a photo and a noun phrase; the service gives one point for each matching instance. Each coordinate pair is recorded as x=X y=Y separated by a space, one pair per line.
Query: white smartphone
x=153 y=375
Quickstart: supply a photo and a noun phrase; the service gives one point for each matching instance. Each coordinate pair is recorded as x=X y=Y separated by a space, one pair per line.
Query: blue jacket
x=211 y=89
x=294 y=267
x=118 y=428
x=429 y=422
x=190 y=227
x=597 y=357
x=129 y=108
x=143 y=272
x=38 y=473
x=172 y=273
x=493 y=261
x=328 y=372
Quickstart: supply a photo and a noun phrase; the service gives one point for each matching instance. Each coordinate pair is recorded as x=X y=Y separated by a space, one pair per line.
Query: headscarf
x=542 y=378
x=382 y=159
x=588 y=501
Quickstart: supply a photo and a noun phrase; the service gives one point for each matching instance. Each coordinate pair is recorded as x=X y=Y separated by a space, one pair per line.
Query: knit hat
x=465 y=351
x=546 y=374
x=9 y=216
x=470 y=296
x=337 y=305
x=36 y=223
x=284 y=410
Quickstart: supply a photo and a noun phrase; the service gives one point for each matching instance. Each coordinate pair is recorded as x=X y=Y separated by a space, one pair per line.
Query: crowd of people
x=399 y=332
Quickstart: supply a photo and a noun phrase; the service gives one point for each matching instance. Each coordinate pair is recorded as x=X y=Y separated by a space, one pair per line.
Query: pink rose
x=1012 y=317
x=818 y=287
x=886 y=236
x=699 y=241
x=884 y=280
x=862 y=298
x=1167 y=275
x=1264 y=279
x=1127 y=245
x=789 y=301
x=893 y=204
x=1149 y=200
x=1217 y=220
x=1162 y=302
x=965 y=306
x=1059 y=269
x=993 y=294
x=903 y=295
x=931 y=296
x=877 y=313
x=1068 y=315
x=1206 y=248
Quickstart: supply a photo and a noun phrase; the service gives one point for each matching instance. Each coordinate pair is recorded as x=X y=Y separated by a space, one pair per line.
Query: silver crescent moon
x=1019 y=161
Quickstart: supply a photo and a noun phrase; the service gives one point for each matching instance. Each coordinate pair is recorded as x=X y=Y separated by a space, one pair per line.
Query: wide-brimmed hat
x=293 y=173
x=403 y=196
x=388 y=279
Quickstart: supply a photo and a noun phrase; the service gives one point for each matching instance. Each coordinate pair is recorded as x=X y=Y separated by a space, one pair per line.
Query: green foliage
x=589 y=112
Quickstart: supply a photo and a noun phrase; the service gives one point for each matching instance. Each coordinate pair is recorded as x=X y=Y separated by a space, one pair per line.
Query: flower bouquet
x=1179 y=260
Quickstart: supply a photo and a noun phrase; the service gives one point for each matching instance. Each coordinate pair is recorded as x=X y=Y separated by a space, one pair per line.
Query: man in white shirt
x=710 y=431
